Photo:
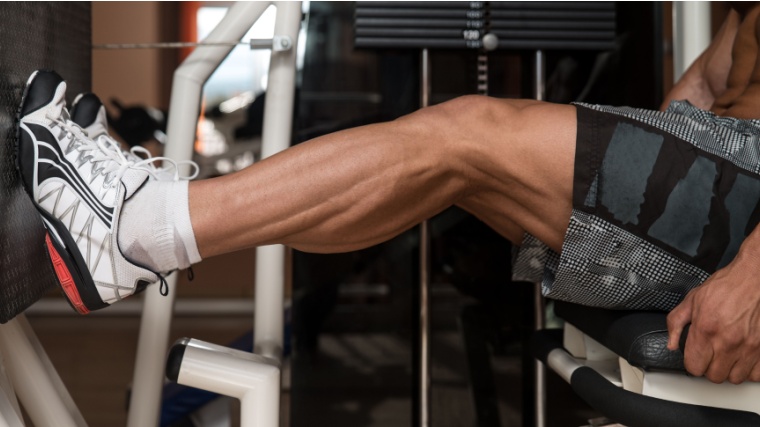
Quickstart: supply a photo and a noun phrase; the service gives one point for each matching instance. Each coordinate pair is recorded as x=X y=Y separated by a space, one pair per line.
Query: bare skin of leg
x=508 y=162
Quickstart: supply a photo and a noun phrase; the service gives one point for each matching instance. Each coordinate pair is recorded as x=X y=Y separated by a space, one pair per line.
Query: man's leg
x=113 y=223
x=508 y=162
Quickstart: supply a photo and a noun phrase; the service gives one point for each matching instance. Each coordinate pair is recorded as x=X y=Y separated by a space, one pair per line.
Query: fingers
x=740 y=371
x=724 y=313
x=718 y=354
x=754 y=375
x=747 y=366
x=678 y=318
x=698 y=355
x=714 y=368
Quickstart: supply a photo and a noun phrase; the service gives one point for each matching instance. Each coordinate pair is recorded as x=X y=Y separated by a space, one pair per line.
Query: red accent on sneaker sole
x=64 y=278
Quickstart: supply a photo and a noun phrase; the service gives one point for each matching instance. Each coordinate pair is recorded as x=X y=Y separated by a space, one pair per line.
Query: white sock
x=155 y=229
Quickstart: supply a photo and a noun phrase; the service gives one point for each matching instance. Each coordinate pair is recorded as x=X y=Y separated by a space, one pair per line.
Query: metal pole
x=691 y=33
x=539 y=87
x=252 y=378
x=253 y=44
x=538 y=300
x=424 y=309
x=10 y=411
x=278 y=123
x=184 y=110
x=38 y=392
x=540 y=369
x=50 y=370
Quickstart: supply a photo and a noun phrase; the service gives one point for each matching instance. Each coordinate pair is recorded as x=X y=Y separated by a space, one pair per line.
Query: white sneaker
x=78 y=186
x=89 y=113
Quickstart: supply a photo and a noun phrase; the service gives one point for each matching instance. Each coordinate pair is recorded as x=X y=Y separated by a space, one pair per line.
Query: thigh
x=685 y=180
x=660 y=201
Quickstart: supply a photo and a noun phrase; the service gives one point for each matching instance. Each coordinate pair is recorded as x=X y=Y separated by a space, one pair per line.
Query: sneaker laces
x=142 y=153
x=70 y=129
x=105 y=161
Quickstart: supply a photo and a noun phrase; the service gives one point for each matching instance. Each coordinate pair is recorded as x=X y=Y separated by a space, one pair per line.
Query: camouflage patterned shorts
x=661 y=200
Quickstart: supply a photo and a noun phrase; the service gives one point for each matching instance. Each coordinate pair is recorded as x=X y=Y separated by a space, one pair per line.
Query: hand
x=724 y=312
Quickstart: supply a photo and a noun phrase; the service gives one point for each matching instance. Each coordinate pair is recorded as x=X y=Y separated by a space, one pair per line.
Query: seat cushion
x=641 y=337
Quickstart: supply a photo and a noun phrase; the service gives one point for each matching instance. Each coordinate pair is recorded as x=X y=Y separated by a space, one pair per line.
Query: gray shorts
x=661 y=200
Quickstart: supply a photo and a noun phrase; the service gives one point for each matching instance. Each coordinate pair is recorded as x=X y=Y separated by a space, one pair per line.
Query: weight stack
x=463 y=25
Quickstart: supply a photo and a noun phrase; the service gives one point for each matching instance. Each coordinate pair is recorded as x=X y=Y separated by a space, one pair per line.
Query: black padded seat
x=641 y=337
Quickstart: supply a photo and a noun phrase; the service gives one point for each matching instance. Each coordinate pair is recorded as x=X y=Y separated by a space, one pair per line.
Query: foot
x=78 y=186
x=157 y=233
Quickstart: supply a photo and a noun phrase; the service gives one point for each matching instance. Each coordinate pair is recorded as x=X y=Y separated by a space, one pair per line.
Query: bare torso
x=741 y=97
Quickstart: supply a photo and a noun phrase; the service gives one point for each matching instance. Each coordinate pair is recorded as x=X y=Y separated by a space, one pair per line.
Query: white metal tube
x=10 y=416
x=253 y=379
x=10 y=412
x=50 y=370
x=184 y=110
x=276 y=134
x=562 y=363
x=147 y=382
x=187 y=87
x=691 y=33
x=261 y=407
x=38 y=394
x=268 y=321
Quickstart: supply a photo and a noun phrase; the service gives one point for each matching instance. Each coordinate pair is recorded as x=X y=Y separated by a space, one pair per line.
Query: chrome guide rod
x=540 y=369
x=540 y=76
x=424 y=309
x=539 y=307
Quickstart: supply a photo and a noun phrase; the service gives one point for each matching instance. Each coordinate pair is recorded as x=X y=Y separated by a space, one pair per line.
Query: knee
x=469 y=104
x=474 y=113
x=465 y=126
x=461 y=115
x=468 y=109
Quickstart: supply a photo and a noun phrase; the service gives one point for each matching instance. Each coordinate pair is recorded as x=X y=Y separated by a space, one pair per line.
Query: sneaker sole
x=65 y=278
x=81 y=293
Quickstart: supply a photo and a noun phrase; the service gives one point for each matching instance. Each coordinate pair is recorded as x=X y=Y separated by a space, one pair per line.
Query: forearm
x=692 y=87
x=706 y=78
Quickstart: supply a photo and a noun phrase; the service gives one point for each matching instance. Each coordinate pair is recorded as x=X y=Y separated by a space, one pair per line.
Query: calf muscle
x=507 y=162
